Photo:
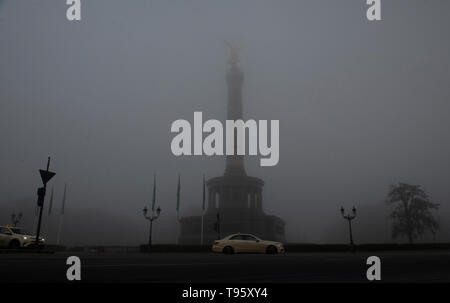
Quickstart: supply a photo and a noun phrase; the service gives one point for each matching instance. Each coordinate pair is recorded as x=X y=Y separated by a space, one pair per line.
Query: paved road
x=429 y=266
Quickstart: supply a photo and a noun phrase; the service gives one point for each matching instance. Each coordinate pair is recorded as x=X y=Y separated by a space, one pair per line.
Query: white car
x=246 y=243
x=15 y=237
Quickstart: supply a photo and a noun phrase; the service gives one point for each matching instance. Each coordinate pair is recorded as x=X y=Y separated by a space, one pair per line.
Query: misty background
x=361 y=105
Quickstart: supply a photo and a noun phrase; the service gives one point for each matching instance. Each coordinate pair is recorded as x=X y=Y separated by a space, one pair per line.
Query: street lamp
x=16 y=219
x=349 y=217
x=152 y=217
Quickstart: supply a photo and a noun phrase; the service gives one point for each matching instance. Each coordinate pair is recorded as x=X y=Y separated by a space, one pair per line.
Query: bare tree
x=412 y=216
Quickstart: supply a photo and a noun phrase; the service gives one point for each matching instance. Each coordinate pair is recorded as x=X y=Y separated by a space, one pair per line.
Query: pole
x=42 y=208
x=350 y=230
x=203 y=208
x=150 y=236
x=36 y=212
x=201 y=235
x=179 y=228
x=218 y=226
x=61 y=218
x=349 y=218
x=59 y=230
x=178 y=209
x=49 y=211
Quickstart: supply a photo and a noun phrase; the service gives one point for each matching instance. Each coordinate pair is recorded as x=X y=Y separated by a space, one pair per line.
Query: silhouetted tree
x=412 y=216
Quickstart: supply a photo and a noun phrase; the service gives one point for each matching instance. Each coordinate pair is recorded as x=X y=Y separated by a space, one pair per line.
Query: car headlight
x=25 y=238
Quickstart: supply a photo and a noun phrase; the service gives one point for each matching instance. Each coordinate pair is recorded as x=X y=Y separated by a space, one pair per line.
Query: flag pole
x=178 y=206
x=201 y=238
x=203 y=210
x=178 y=197
x=49 y=211
x=51 y=202
x=62 y=216
x=154 y=193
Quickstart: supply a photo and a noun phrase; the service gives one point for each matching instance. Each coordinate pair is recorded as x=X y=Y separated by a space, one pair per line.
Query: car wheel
x=271 y=250
x=14 y=244
x=228 y=250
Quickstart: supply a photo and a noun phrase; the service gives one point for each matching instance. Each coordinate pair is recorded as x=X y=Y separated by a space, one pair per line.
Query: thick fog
x=361 y=105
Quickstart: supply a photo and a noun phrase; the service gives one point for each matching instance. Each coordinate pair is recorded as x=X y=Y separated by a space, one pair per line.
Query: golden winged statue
x=235 y=48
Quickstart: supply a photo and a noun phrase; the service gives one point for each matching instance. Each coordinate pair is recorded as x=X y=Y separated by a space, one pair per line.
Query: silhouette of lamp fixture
x=349 y=217
x=151 y=218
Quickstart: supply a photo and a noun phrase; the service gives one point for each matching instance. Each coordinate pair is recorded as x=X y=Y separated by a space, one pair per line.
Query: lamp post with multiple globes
x=349 y=217
x=151 y=218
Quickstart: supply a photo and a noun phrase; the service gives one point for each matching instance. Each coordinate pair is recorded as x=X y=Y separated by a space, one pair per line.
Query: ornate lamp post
x=152 y=217
x=349 y=217
x=15 y=219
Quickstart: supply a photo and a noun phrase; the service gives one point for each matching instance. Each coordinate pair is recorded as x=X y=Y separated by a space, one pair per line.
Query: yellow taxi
x=246 y=243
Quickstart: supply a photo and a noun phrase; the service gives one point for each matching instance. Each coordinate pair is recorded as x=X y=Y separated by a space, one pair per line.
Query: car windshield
x=19 y=231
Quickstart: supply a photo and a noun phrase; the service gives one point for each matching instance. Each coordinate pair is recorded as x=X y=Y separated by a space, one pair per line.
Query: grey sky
x=361 y=105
